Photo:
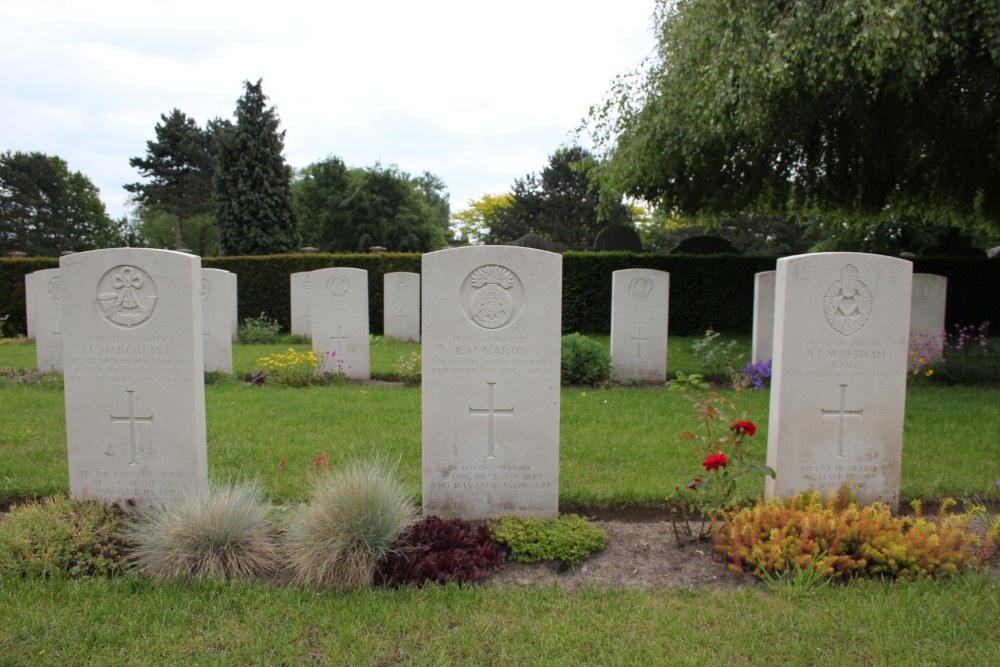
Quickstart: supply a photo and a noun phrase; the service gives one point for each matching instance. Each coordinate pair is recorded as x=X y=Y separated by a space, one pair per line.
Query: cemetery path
x=644 y=554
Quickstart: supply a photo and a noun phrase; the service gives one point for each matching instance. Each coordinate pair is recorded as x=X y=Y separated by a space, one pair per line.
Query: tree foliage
x=861 y=109
x=561 y=204
x=345 y=209
x=180 y=166
x=46 y=209
x=255 y=213
x=472 y=225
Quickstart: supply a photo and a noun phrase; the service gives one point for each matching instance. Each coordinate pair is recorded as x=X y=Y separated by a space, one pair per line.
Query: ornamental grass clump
x=352 y=523
x=225 y=533
x=59 y=536
x=840 y=540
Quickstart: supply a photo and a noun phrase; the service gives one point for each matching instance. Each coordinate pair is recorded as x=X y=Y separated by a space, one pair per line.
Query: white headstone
x=135 y=398
x=640 y=303
x=838 y=383
x=763 y=316
x=30 y=291
x=491 y=359
x=927 y=307
x=401 y=306
x=216 y=316
x=338 y=307
x=48 y=320
x=300 y=326
x=234 y=325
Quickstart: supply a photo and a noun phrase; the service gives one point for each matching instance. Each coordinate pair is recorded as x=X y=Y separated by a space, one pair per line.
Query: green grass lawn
x=617 y=446
x=139 y=622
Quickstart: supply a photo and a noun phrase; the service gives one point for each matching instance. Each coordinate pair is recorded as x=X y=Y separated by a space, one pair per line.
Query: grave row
x=133 y=352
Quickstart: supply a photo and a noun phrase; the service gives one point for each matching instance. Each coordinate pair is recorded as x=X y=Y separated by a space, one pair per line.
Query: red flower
x=697 y=481
x=715 y=461
x=745 y=427
x=281 y=466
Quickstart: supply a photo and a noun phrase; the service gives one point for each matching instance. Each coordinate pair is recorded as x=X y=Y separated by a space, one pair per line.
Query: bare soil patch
x=643 y=554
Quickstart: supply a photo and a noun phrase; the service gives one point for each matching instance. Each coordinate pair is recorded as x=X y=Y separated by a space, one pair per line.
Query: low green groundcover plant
x=441 y=550
x=569 y=539
x=59 y=536
x=260 y=330
x=584 y=360
x=838 y=539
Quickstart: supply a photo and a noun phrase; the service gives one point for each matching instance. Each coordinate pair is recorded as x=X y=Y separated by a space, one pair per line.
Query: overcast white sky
x=479 y=93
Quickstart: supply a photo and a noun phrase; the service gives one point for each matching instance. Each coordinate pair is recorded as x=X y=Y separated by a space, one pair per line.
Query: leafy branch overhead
x=850 y=107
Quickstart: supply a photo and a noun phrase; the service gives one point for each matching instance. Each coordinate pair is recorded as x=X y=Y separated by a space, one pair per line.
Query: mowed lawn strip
x=139 y=622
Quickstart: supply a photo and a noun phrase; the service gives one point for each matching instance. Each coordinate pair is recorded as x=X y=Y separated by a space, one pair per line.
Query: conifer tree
x=253 y=185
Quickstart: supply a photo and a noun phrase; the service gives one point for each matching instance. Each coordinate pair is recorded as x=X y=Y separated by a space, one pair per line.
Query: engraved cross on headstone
x=339 y=338
x=131 y=421
x=400 y=318
x=841 y=414
x=638 y=340
x=490 y=412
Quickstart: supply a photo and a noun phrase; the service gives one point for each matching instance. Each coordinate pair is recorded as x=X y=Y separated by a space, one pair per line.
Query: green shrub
x=715 y=357
x=840 y=540
x=584 y=360
x=353 y=521
x=224 y=533
x=569 y=539
x=60 y=536
x=260 y=330
x=409 y=369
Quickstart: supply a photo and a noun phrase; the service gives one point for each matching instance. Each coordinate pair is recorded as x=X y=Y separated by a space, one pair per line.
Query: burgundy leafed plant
x=440 y=550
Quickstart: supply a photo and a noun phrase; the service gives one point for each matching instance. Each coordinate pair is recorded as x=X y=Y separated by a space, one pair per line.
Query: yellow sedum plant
x=841 y=540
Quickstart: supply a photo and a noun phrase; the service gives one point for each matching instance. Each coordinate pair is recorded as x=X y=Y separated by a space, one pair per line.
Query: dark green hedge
x=705 y=291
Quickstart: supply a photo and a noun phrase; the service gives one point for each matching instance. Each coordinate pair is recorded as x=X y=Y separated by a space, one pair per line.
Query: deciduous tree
x=46 y=209
x=857 y=110
x=561 y=204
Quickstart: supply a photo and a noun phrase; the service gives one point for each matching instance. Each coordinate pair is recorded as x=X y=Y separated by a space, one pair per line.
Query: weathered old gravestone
x=763 y=316
x=640 y=302
x=491 y=358
x=927 y=308
x=401 y=306
x=46 y=300
x=338 y=308
x=135 y=397
x=301 y=326
x=216 y=317
x=838 y=382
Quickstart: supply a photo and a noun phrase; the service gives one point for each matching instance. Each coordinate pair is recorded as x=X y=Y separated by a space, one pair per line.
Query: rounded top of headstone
x=704 y=245
x=309 y=250
x=17 y=253
x=376 y=250
x=618 y=237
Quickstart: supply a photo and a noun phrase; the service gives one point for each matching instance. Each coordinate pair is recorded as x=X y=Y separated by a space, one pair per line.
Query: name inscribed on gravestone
x=491 y=345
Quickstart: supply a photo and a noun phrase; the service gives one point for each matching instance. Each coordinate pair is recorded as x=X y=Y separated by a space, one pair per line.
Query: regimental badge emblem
x=401 y=285
x=206 y=289
x=55 y=288
x=338 y=286
x=492 y=296
x=847 y=303
x=921 y=291
x=127 y=296
x=640 y=288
